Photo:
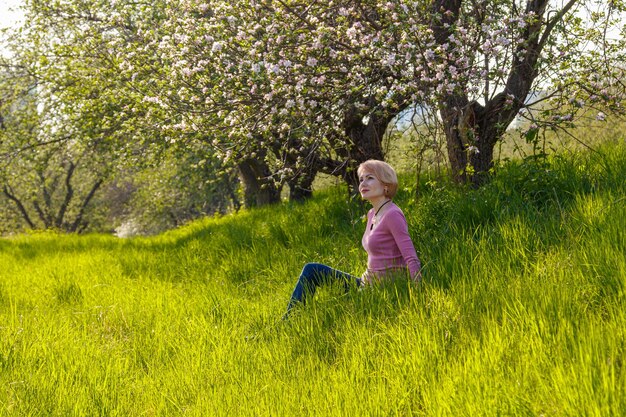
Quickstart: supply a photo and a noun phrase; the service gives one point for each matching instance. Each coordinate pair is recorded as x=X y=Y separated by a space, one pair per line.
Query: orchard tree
x=86 y=125
x=209 y=90
x=287 y=89
x=278 y=115
x=128 y=40
x=332 y=75
x=70 y=121
x=48 y=178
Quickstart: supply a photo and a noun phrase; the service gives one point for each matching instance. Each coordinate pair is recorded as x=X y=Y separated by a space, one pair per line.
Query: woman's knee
x=310 y=269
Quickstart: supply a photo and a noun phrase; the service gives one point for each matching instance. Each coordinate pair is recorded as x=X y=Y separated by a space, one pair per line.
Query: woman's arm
x=400 y=231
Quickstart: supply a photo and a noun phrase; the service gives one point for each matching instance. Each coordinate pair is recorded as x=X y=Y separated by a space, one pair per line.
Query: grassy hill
x=521 y=310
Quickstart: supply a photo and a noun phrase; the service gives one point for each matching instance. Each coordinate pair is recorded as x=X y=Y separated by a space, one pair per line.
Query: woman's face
x=370 y=187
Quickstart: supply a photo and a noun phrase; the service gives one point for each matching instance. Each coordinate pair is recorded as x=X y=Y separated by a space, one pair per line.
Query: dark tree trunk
x=365 y=142
x=79 y=224
x=300 y=188
x=56 y=196
x=304 y=164
x=258 y=186
x=69 y=194
x=454 y=113
x=472 y=130
x=8 y=192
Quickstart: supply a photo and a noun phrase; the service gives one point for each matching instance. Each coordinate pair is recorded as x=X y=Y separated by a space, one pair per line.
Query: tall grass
x=521 y=310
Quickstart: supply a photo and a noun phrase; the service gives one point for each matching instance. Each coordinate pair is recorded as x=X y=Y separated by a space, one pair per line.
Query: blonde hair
x=383 y=172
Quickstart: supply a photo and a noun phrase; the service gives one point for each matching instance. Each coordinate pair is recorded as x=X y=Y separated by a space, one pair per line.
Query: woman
x=386 y=239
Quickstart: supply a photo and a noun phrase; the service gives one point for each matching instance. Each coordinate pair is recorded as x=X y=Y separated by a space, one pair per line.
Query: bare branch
x=8 y=192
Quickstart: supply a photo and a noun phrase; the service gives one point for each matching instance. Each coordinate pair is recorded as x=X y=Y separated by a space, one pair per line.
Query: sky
x=8 y=17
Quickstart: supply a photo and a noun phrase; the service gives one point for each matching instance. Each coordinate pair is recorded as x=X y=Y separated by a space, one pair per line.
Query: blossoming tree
x=288 y=88
x=328 y=77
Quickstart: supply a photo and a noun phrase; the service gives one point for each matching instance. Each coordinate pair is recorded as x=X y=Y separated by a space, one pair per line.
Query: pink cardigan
x=388 y=245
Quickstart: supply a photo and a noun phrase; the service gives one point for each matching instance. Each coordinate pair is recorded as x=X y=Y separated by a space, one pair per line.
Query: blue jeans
x=312 y=276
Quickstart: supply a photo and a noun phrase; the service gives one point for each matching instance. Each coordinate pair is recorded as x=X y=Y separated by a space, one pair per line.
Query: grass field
x=521 y=310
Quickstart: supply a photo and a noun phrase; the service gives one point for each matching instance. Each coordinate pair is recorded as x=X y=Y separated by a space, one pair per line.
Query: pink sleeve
x=400 y=231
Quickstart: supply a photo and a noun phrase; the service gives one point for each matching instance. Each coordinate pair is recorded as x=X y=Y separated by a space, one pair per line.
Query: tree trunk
x=472 y=130
x=454 y=113
x=79 y=224
x=8 y=192
x=69 y=194
x=259 y=188
x=305 y=165
x=365 y=142
x=300 y=188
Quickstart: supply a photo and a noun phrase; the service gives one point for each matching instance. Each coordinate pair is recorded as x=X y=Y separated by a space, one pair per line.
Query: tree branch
x=552 y=23
x=8 y=192
x=41 y=214
x=69 y=193
x=79 y=217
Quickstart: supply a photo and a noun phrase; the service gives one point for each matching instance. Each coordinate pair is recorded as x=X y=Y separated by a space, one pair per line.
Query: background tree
x=96 y=123
x=182 y=187
x=48 y=177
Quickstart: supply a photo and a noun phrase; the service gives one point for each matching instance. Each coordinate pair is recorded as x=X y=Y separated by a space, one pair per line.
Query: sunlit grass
x=521 y=310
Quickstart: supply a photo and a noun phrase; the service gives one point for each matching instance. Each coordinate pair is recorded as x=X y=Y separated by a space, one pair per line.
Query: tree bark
x=78 y=224
x=69 y=194
x=301 y=187
x=473 y=130
x=454 y=113
x=365 y=142
x=8 y=192
x=258 y=186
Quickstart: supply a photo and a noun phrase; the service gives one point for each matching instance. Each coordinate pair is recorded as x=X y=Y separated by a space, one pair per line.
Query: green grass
x=521 y=310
